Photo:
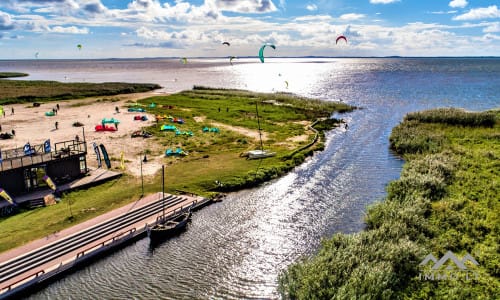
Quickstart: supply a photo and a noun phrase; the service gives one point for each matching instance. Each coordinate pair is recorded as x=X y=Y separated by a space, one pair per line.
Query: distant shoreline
x=250 y=57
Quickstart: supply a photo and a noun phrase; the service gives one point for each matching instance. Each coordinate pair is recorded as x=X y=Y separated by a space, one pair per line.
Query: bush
x=453 y=116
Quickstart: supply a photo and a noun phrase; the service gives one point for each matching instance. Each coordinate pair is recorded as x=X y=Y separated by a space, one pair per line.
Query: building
x=22 y=170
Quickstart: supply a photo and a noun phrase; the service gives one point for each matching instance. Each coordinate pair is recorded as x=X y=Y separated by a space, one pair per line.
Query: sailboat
x=164 y=228
x=258 y=153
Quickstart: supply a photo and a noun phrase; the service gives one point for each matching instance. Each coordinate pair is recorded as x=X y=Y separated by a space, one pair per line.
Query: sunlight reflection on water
x=235 y=249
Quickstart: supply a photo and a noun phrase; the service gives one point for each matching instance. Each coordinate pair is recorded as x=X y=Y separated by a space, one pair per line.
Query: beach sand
x=32 y=125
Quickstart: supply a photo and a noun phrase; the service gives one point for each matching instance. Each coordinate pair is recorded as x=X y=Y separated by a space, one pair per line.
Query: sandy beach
x=32 y=125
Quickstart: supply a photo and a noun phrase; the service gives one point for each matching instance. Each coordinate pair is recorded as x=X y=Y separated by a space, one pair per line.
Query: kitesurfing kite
x=340 y=37
x=286 y=82
x=226 y=43
x=261 y=51
x=79 y=46
x=184 y=60
x=36 y=55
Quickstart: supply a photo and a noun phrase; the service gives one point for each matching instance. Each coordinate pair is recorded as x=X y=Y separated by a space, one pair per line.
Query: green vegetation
x=21 y=91
x=213 y=165
x=12 y=74
x=445 y=200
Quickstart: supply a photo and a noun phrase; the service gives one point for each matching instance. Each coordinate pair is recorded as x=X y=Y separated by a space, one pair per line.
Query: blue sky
x=52 y=29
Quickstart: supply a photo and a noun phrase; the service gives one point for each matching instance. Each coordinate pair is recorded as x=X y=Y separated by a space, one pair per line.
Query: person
x=57 y=124
x=227 y=109
x=219 y=109
x=117 y=109
x=145 y=158
x=12 y=109
x=77 y=138
x=57 y=105
x=346 y=126
x=0 y=127
x=13 y=132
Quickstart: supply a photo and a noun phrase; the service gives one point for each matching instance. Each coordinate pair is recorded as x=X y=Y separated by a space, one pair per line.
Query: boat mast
x=258 y=122
x=163 y=189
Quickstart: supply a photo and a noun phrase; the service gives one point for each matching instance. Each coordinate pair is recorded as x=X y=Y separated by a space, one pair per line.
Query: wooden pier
x=42 y=260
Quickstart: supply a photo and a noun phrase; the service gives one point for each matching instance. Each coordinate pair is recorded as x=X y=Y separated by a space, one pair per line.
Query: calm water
x=237 y=248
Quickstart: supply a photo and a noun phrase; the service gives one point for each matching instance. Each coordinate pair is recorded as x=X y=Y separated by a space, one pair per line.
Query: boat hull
x=162 y=231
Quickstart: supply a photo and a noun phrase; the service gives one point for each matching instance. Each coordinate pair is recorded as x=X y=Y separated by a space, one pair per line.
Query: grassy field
x=213 y=165
x=20 y=91
x=12 y=74
x=447 y=199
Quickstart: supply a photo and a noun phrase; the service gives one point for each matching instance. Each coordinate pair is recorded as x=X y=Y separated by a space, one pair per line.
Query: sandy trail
x=31 y=125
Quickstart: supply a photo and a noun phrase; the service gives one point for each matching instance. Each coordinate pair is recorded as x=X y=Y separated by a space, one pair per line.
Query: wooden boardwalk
x=40 y=260
x=94 y=177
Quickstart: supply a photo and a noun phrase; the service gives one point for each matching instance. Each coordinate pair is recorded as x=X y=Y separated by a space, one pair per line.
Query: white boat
x=255 y=154
x=259 y=153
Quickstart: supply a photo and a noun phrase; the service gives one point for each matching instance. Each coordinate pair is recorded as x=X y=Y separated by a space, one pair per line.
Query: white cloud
x=444 y=12
x=311 y=7
x=458 y=3
x=323 y=18
x=383 y=1
x=480 y=13
x=5 y=21
x=69 y=29
x=493 y=27
x=246 y=6
x=351 y=17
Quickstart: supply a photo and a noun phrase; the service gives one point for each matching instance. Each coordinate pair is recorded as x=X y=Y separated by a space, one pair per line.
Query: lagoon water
x=236 y=249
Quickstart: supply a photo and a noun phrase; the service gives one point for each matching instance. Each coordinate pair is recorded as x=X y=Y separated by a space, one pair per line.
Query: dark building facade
x=22 y=170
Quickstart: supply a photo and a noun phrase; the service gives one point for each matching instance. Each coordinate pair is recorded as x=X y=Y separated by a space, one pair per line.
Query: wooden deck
x=94 y=177
x=88 y=239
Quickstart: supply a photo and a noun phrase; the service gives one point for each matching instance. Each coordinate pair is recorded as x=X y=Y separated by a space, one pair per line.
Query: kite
x=7 y=197
x=36 y=55
x=286 y=82
x=340 y=37
x=226 y=43
x=261 y=51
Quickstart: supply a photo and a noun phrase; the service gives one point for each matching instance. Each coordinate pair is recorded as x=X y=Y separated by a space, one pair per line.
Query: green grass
x=213 y=157
x=22 y=91
x=445 y=200
x=12 y=74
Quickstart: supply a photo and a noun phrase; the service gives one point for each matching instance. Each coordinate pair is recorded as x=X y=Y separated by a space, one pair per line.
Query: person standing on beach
x=56 y=124
x=57 y=105
x=12 y=110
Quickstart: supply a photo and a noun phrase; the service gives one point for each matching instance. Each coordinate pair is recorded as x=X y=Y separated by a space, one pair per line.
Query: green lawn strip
x=213 y=165
x=22 y=91
x=445 y=200
x=12 y=74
